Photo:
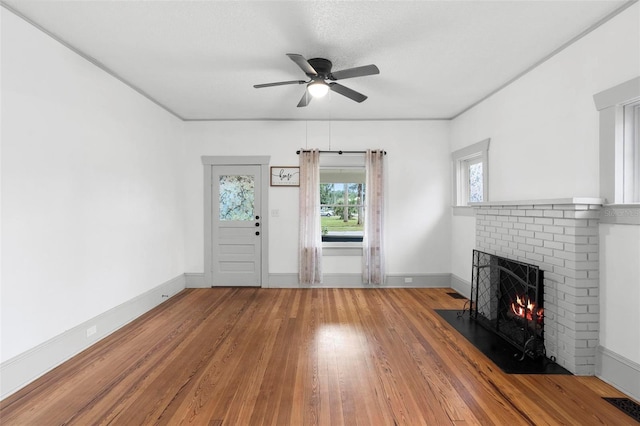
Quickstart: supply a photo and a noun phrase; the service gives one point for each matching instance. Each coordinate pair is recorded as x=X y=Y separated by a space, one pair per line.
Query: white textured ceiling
x=200 y=59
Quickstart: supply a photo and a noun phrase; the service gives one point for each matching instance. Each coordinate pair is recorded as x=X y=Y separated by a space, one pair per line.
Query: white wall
x=92 y=209
x=545 y=144
x=463 y=241
x=418 y=185
x=620 y=289
x=544 y=126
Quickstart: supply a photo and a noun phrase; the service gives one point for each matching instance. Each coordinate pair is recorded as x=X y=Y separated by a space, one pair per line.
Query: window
x=470 y=168
x=342 y=195
x=473 y=169
x=342 y=192
x=619 y=109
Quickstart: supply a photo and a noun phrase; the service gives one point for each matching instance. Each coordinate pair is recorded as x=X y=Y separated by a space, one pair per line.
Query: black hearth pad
x=626 y=405
x=504 y=355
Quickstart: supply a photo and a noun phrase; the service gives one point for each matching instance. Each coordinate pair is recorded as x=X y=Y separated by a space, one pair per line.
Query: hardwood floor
x=242 y=356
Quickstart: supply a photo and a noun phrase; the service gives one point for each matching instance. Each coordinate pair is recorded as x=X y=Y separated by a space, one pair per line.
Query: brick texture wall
x=561 y=237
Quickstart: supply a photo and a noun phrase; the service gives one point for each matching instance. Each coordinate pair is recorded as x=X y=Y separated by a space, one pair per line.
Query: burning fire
x=525 y=308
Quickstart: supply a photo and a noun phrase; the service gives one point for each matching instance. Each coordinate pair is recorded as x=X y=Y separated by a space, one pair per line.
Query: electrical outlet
x=92 y=330
x=275 y=213
x=408 y=280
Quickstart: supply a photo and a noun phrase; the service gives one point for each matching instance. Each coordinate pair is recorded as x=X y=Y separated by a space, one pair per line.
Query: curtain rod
x=341 y=152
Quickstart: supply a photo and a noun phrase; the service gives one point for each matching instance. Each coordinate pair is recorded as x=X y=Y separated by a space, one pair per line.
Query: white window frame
x=619 y=111
x=467 y=175
x=631 y=153
x=345 y=201
x=462 y=159
x=341 y=161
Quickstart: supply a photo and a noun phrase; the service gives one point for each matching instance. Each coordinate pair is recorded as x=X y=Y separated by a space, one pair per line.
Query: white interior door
x=236 y=226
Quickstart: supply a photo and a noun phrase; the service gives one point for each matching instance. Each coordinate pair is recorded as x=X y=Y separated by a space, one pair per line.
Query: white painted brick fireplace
x=561 y=237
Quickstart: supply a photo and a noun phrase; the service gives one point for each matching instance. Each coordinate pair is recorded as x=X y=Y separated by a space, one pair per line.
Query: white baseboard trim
x=435 y=280
x=620 y=372
x=195 y=280
x=290 y=280
x=461 y=286
x=24 y=368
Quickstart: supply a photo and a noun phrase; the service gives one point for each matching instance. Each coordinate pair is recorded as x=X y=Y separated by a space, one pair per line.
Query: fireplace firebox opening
x=507 y=299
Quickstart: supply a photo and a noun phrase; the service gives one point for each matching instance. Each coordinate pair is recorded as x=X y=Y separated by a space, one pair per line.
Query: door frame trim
x=210 y=161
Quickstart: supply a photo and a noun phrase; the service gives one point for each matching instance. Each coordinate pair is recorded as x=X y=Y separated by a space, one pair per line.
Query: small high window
x=470 y=172
x=619 y=110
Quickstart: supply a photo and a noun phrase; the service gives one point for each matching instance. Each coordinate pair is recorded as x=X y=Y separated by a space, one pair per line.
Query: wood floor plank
x=248 y=356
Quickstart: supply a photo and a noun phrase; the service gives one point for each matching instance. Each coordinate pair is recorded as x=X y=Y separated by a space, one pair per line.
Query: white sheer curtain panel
x=310 y=265
x=373 y=270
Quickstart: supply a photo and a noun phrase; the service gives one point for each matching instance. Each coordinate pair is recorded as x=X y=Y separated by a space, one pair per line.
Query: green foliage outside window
x=341 y=212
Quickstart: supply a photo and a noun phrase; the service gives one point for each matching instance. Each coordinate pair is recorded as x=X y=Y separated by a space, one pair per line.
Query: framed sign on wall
x=285 y=176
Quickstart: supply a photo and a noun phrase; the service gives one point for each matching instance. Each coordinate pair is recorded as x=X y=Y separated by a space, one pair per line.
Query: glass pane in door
x=237 y=196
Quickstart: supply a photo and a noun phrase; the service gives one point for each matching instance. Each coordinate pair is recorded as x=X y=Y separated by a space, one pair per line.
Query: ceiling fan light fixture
x=322 y=79
x=318 y=89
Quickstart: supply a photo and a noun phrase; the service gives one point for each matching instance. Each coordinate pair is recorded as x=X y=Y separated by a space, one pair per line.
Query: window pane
x=341 y=209
x=356 y=193
x=331 y=193
x=336 y=225
x=475 y=183
x=631 y=154
x=237 y=194
x=469 y=185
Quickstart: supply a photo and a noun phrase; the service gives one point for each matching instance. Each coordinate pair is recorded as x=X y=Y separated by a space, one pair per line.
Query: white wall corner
x=194 y=280
x=26 y=367
x=461 y=286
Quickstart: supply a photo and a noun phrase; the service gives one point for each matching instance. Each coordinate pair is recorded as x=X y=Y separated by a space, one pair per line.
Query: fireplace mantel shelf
x=553 y=201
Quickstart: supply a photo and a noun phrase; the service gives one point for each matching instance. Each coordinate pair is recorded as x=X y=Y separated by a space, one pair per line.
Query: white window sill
x=463 y=211
x=621 y=214
x=342 y=249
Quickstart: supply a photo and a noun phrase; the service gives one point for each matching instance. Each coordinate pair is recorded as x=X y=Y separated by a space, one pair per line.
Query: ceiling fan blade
x=280 y=83
x=306 y=98
x=303 y=64
x=349 y=93
x=354 y=72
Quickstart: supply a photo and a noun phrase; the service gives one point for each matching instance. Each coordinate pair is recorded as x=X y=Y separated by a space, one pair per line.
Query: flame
x=525 y=308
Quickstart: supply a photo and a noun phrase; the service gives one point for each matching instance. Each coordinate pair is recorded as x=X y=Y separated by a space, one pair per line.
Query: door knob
x=257 y=224
x=257 y=232
x=257 y=217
